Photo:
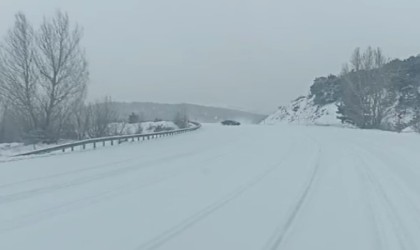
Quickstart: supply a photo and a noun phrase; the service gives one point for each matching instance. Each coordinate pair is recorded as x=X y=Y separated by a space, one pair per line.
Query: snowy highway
x=220 y=188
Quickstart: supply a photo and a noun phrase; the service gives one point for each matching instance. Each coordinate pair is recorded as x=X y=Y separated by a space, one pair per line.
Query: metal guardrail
x=112 y=140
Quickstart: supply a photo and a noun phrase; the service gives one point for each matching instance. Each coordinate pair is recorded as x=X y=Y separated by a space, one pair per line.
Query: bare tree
x=3 y=110
x=366 y=97
x=63 y=70
x=18 y=74
x=80 y=119
x=100 y=115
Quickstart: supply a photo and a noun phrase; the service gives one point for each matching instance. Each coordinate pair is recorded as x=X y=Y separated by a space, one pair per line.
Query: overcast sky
x=252 y=55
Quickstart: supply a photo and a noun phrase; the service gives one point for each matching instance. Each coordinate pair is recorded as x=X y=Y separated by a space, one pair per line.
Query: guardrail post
x=94 y=145
x=84 y=146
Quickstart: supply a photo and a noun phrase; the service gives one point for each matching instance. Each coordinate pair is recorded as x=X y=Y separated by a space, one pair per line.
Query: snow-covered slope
x=304 y=111
x=220 y=188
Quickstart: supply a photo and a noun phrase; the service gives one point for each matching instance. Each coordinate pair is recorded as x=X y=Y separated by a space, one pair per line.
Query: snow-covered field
x=220 y=188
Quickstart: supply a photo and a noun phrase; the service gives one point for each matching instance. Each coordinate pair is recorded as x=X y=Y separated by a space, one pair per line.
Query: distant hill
x=151 y=111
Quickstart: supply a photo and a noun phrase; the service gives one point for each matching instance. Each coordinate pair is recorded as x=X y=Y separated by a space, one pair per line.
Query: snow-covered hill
x=394 y=106
x=304 y=111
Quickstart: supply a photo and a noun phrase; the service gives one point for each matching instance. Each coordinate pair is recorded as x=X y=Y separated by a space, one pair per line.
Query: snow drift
x=303 y=111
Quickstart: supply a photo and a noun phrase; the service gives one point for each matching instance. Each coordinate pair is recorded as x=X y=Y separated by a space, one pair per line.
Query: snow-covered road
x=220 y=188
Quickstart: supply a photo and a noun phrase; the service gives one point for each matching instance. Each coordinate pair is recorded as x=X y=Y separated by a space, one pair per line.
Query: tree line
x=43 y=85
x=43 y=76
x=374 y=92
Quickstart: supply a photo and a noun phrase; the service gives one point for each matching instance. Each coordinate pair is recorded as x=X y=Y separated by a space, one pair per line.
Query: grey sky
x=252 y=55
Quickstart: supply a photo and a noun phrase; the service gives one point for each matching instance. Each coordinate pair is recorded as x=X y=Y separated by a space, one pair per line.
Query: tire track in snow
x=80 y=181
x=11 y=224
x=189 y=222
x=6 y=225
x=96 y=177
x=378 y=230
x=29 y=219
x=279 y=235
x=378 y=194
x=78 y=171
x=105 y=165
x=385 y=160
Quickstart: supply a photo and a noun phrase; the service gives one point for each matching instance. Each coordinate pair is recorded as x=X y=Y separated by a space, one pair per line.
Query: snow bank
x=15 y=148
x=141 y=128
x=11 y=149
x=304 y=111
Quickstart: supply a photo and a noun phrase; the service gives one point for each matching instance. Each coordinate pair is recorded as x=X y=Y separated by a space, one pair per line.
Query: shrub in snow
x=34 y=136
x=181 y=120
x=133 y=118
x=161 y=128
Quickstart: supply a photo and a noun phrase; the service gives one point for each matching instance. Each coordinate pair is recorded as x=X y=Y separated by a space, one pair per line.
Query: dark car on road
x=230 y=123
